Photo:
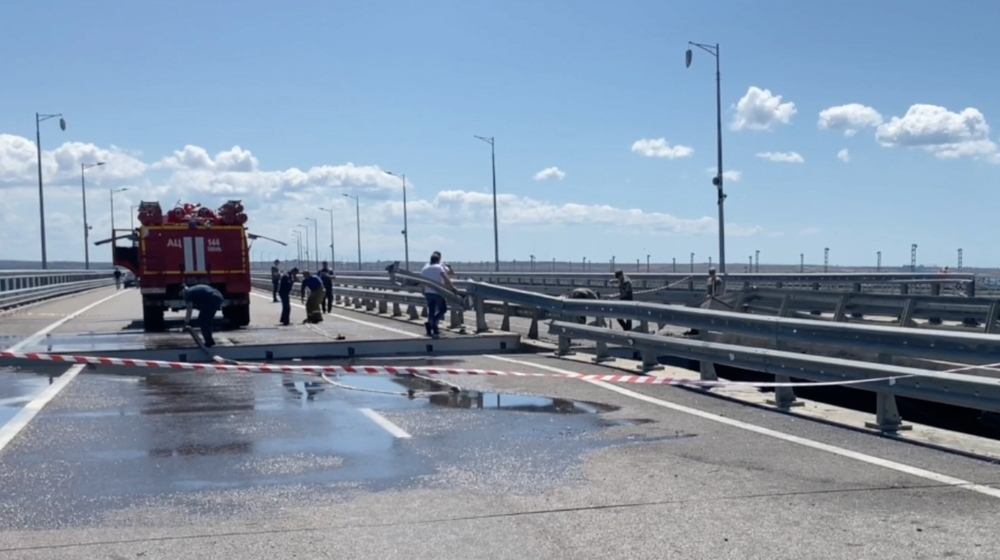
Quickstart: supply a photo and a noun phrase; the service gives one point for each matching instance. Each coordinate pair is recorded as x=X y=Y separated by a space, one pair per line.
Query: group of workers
x=318 y=287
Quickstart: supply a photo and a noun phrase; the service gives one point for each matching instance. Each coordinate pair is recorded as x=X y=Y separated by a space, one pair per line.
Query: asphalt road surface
x=198 y=465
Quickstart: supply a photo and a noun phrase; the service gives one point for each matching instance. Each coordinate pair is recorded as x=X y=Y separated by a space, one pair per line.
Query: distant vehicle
x=188 y=245
x=131 y=281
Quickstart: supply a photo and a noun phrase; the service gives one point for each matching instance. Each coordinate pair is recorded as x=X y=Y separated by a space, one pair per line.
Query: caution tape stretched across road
x=415 y=371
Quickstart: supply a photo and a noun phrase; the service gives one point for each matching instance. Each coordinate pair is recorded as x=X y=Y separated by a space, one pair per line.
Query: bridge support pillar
x=396 y=311
x=887 y=418
x=784 y=397
x=480 y=307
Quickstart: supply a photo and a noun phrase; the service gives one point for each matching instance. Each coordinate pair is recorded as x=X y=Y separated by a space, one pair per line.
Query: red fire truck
x=188 y=245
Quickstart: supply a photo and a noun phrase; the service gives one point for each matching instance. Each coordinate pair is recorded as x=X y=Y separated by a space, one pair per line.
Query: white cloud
x=731 y=176
x=658 y=148
x=61 y=166
x=776 y=234
x=759 y=109
x=810 y=231
x=850 y=118
x=945 y=134
x=277 y=201
x=844 y=155
x=783 y=157
x=550 y=173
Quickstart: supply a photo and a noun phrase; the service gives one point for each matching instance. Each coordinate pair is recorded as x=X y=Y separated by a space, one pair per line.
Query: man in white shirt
x=436 y=305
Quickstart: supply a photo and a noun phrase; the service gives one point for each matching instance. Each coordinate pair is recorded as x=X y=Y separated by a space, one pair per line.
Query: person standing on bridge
x=118 y=278
x=285 y=284
x=314 y=309
x=326 y=275
x=624 y=294
x=208 y=301
x=436 y=304
x=275 y=280
x=714 y=284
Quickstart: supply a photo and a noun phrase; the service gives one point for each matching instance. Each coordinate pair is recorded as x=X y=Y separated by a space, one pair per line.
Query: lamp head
x=62 y=123
x=687 y=58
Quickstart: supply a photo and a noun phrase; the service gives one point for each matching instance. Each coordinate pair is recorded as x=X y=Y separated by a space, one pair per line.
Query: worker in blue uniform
x=208 y=301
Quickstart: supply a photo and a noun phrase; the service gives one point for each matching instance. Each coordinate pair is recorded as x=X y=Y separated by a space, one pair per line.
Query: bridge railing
x=21 y=287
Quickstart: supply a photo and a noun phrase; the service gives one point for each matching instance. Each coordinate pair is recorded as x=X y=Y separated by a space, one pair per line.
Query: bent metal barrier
x=21 y=287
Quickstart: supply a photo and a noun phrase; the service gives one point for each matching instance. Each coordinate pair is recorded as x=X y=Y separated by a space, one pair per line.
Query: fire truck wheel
x=152 y=319
x=237 y=315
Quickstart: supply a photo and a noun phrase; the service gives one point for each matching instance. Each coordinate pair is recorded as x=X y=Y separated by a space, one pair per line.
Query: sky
x=849 y=125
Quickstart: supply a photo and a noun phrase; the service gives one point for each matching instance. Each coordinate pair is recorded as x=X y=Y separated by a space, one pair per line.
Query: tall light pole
x=717 y=180
x=357 y=213
x=41 y=196
x=113 y=192
x=298 y=246
x=333 y=252
x=86 y=226
x=496 y=232
x=305 y=234
x=406 y=227
x=315 y=239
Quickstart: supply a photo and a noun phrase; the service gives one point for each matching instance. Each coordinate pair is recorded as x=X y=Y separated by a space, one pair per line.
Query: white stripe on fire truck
x=188 y=255
x=199 y=251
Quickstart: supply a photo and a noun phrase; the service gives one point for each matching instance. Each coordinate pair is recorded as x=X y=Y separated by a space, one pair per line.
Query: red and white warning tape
x=410 y=370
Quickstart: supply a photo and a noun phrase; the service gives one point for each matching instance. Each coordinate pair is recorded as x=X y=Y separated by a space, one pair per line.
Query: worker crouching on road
x=583 y=293
x=314 y=309
x=208 y=301
x=436 y=304
x=285 y=284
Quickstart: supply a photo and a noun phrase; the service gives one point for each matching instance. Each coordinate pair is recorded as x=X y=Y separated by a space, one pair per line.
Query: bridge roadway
x=232 y=466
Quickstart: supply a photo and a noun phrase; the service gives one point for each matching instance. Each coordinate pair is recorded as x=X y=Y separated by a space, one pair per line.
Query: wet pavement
x=111 y=443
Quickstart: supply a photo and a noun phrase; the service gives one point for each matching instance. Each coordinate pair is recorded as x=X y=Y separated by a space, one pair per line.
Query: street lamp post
x=406 y=227
x=298 y=246
x=496 y=232
x=717 y=180
x=41 y=196
x=357 y=213
x=315 y=240
x=86 y=226
x=305 y=234
x=333 y=252
x=113 y=193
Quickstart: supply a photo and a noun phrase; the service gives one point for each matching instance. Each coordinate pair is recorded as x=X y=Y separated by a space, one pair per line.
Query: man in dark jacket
x=624 y=294
x=326 y=275
x=275 y=280
x=285 y=284
x=207 y=300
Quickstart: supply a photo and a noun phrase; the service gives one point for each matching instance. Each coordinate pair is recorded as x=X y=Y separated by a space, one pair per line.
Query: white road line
x=383 y=422
x=900 y=467
x=30 y=410
x=353 y=320
x=33 y=339
x=14 y=400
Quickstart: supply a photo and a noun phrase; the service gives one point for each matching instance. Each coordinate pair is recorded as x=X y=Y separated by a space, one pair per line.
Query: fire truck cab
x=189 y=245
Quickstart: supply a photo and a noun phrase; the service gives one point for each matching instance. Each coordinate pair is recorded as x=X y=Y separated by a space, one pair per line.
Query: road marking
x=14 y=400
x=900 y=467
x=382 y=421
x=33 y=339
x=353 y=320
x=30 y=410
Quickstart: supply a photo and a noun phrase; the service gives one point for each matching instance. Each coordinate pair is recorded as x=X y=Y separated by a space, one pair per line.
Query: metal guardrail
x=970 y=313
x=969 y=391
x=15 y=298
x=11 y=280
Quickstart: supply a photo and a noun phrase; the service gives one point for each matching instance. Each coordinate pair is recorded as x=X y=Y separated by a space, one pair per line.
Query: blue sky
x=305 y=88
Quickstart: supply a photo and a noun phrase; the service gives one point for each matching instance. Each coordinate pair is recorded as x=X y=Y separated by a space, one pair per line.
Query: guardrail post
x=383 y=307
x=840 y=311
x=992 y=316
x=784 y=397
x=480 y=307
x=856 y=287
x=533 y=328
x=423 y=312
x=412 y=313
x=904 y=289
x=887 y=419
x=457 y=319
x=370 y=304
x=970 y=289
x=602 y=354
x=396 y=311
x=785 y=305
x=906 y=316
x=707 y=371
x=642 y=328
x=505 y=324
x=936 y=289
x=564 y=346
x=650 y=361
